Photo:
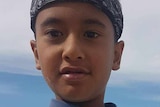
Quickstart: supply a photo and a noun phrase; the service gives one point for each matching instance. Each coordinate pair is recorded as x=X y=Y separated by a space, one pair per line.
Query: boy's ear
x=35 y=52
x=117 y=55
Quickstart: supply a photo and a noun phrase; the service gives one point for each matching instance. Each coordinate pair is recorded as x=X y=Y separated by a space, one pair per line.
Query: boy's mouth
x=74 y=73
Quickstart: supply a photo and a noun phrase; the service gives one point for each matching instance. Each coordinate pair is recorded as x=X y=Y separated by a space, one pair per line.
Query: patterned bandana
x=112 y=8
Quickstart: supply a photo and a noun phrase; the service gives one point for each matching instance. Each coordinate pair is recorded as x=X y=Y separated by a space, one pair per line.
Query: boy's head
x=75 y=45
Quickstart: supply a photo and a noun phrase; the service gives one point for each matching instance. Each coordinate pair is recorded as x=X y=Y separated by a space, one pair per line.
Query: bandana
x=112 y=8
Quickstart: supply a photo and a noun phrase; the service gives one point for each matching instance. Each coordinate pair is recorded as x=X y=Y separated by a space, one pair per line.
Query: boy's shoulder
x=58 y=103
x=110 y=105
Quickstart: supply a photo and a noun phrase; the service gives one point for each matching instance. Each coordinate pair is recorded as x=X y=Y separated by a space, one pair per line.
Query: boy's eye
x=55 y=33
x=90 y=34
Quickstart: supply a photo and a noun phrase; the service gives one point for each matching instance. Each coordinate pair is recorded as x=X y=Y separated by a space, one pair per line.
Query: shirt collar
x=58 y=103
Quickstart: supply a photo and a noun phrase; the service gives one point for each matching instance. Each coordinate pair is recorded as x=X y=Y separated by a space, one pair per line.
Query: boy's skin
x=76 y=51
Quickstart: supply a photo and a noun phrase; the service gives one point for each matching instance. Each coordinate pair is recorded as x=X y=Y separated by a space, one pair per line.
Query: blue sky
x=136 y=84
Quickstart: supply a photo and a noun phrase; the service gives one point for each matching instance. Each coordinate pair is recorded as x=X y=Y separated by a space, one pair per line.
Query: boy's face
x=75 y=50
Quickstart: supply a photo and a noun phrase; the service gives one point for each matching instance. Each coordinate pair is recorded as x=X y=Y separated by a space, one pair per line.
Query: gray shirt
x=57 y=103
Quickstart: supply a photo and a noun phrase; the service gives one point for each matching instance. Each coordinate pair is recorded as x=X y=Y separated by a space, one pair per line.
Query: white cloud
x=15 y=26
x=155 y=98
x=155 y=61
x=140 y=8
x=19 y=64
x=128 y=77
x=141 y=36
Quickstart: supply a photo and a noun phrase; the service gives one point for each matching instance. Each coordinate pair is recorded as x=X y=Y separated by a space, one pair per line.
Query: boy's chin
x=74 y=99
x=79 y=98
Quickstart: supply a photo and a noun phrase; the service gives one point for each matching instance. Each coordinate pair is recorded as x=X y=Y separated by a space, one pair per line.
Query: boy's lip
x=73 y=69
x=74 y=73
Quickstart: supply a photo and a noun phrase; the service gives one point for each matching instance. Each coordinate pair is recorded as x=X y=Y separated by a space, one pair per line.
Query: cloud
x=155 y=61
x=127 y=78
x=19 y=64
x=140 y=8
x=15 y=26
x=155 y=98
x=8 y=89
x=141 y=35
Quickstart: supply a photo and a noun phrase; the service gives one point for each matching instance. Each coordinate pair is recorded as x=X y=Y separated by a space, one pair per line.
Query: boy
x=76 y=48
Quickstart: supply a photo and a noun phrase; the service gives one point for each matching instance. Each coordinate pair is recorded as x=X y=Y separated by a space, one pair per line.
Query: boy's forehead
x=111 y=8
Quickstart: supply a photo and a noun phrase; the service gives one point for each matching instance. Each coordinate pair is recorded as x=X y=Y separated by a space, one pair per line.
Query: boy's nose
x=73 y=50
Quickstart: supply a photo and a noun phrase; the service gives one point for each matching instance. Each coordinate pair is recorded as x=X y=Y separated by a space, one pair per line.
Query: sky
x=136 y=84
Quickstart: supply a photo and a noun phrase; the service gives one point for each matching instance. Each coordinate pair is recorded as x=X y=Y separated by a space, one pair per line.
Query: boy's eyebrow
x=51 y=21
x=94 y=22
